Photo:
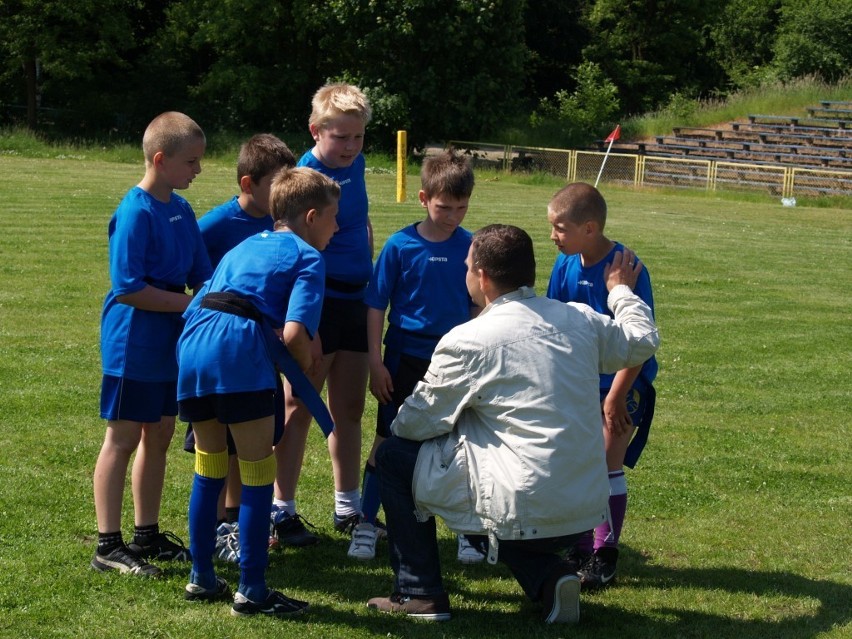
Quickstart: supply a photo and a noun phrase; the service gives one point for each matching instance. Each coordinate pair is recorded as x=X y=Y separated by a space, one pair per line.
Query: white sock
x=347 y=503
x=288 y=506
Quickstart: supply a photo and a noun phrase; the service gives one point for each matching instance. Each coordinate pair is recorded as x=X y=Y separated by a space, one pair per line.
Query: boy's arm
x=370 y=238
x=381 y=384
x=151 y=298
x=296 y=339
x=615 y=412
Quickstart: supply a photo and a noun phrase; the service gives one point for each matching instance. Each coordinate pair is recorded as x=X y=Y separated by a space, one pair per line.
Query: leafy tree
x=814 y=38
x=743 y=39
x=652 y=48
x=577 y=118
x=61 y=51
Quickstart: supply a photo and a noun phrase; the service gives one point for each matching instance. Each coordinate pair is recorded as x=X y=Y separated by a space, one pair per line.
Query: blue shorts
x=405 y=371
x=641 y=401
x=189 y=437
x=343 y=325
x=229 y=408
x=135 y=401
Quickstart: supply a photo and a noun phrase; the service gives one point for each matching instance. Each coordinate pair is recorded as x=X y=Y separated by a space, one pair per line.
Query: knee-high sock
x=370 y=497
x=606 y=536
x=257 y=477
x=210 y=472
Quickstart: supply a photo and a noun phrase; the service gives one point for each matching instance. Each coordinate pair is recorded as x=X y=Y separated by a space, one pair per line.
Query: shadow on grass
x=326 y=571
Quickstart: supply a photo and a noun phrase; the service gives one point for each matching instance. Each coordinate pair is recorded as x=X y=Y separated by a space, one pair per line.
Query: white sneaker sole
x=566 y=601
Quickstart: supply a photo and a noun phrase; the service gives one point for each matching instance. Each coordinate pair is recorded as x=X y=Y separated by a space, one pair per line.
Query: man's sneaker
x=194 y=592
x=276 y=604
x=364 y=538
x=599 y=571
x=124 y=560
x=165 y=546
x=290 y=530
x=435 y=608
x=468 y=554
x=228 y=542
x=345 y=524
x=561 y=595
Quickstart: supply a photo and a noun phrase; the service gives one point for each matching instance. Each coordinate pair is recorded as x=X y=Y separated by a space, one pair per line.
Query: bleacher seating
x=807 y=141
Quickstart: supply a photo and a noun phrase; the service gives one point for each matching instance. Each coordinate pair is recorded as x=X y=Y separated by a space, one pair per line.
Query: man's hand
x=624 y=269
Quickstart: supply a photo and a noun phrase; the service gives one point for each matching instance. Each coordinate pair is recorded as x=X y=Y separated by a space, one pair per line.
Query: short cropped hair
x=169 y=132
x=337 y=99
x=506 y=253
x=295 y=191
x=578 y=203
x=261 y=155
x=447 y=174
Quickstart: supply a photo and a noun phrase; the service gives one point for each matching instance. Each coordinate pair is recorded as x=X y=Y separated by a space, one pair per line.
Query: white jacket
x=510 y=416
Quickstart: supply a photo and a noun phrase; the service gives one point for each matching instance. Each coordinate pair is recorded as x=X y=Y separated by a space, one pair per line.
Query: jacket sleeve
x=438 y=400
x=632 y=337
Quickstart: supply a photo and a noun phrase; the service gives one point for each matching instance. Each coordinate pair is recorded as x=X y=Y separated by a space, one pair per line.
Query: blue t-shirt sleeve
x=305 y=303
x=129 y=235
x=385 y=275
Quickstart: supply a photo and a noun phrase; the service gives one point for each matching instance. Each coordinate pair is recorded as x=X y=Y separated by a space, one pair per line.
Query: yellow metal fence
x=651 y=171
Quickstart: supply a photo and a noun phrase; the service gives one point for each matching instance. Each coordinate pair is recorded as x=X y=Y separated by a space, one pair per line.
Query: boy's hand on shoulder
x=624 y=269
x=381 y=383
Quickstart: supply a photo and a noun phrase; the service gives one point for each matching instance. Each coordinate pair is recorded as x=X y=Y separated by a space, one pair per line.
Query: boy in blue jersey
x=222 y=228
x=577 y=215
x=340 y=112
x=272 y=282
x=420 y=276
x=155 y=252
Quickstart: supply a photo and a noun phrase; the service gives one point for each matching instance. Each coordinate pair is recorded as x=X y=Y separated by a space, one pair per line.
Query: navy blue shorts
x=405 y=371
x=189 y=437
x=641 y=401
x=135 y=401
x=343 y=325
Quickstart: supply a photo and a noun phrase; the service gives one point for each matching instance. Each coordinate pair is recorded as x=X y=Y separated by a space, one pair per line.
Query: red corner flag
x=616 y=133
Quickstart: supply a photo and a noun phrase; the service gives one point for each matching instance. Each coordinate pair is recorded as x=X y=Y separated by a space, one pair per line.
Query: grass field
x=740 y=511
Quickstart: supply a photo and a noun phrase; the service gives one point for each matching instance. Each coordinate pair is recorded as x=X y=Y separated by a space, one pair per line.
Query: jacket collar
x=523 y=293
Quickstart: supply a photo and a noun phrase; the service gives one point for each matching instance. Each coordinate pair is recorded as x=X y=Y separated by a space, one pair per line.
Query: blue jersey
x=283 y=277
x=570 y=281
x=156 y=243
x=348 y=257
x=227 y=225
x=424 y=284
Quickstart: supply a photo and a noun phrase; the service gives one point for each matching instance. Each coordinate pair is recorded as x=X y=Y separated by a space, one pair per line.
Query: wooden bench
x=839 y=104
x=830 y=113
x=786 y=119
x=779 y=128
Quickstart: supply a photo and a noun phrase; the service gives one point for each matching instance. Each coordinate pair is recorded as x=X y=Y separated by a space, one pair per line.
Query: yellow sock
x=258 y=473
x=213 y=465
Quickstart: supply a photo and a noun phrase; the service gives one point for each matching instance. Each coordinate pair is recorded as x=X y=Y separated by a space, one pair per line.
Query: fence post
x=401 y=163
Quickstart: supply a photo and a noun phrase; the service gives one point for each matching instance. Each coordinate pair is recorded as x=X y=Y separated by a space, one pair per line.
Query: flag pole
x=616 y=133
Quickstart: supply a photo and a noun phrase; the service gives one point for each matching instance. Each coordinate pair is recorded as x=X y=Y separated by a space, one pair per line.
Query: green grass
x=776 y=98
x=740 y=508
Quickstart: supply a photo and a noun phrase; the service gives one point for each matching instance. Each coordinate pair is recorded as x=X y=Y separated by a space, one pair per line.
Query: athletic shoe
x=228 y=542
x=290 y=530
x=577 y=558
x=436 y=608
x=468 y=554
x=561 y=595
x=165 y=546
x=194 y=592
x=276 y=604
x=364 y=538
x=599 y=571
x=345 y=524
x=124 y=560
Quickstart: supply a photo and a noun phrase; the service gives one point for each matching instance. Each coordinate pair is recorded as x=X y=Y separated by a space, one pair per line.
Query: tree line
x=463 y=69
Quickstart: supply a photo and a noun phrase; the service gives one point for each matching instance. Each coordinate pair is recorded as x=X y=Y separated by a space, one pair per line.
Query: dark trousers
x=413 y=545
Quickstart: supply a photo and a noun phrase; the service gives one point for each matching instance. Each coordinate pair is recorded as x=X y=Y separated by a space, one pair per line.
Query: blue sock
x=202 y=517
x=370 y=497
x=254 y=540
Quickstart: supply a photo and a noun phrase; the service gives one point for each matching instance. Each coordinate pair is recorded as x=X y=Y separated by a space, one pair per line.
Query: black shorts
x=343 y=326
x=189 y=436
x=405 y=371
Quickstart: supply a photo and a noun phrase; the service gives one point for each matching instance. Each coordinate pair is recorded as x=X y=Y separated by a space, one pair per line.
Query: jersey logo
x=175 y=218
x=586 y=283
x=438 y=259
x=346 y=181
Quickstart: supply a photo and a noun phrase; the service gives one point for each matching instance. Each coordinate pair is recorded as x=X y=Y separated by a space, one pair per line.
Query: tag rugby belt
x=302 y=388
